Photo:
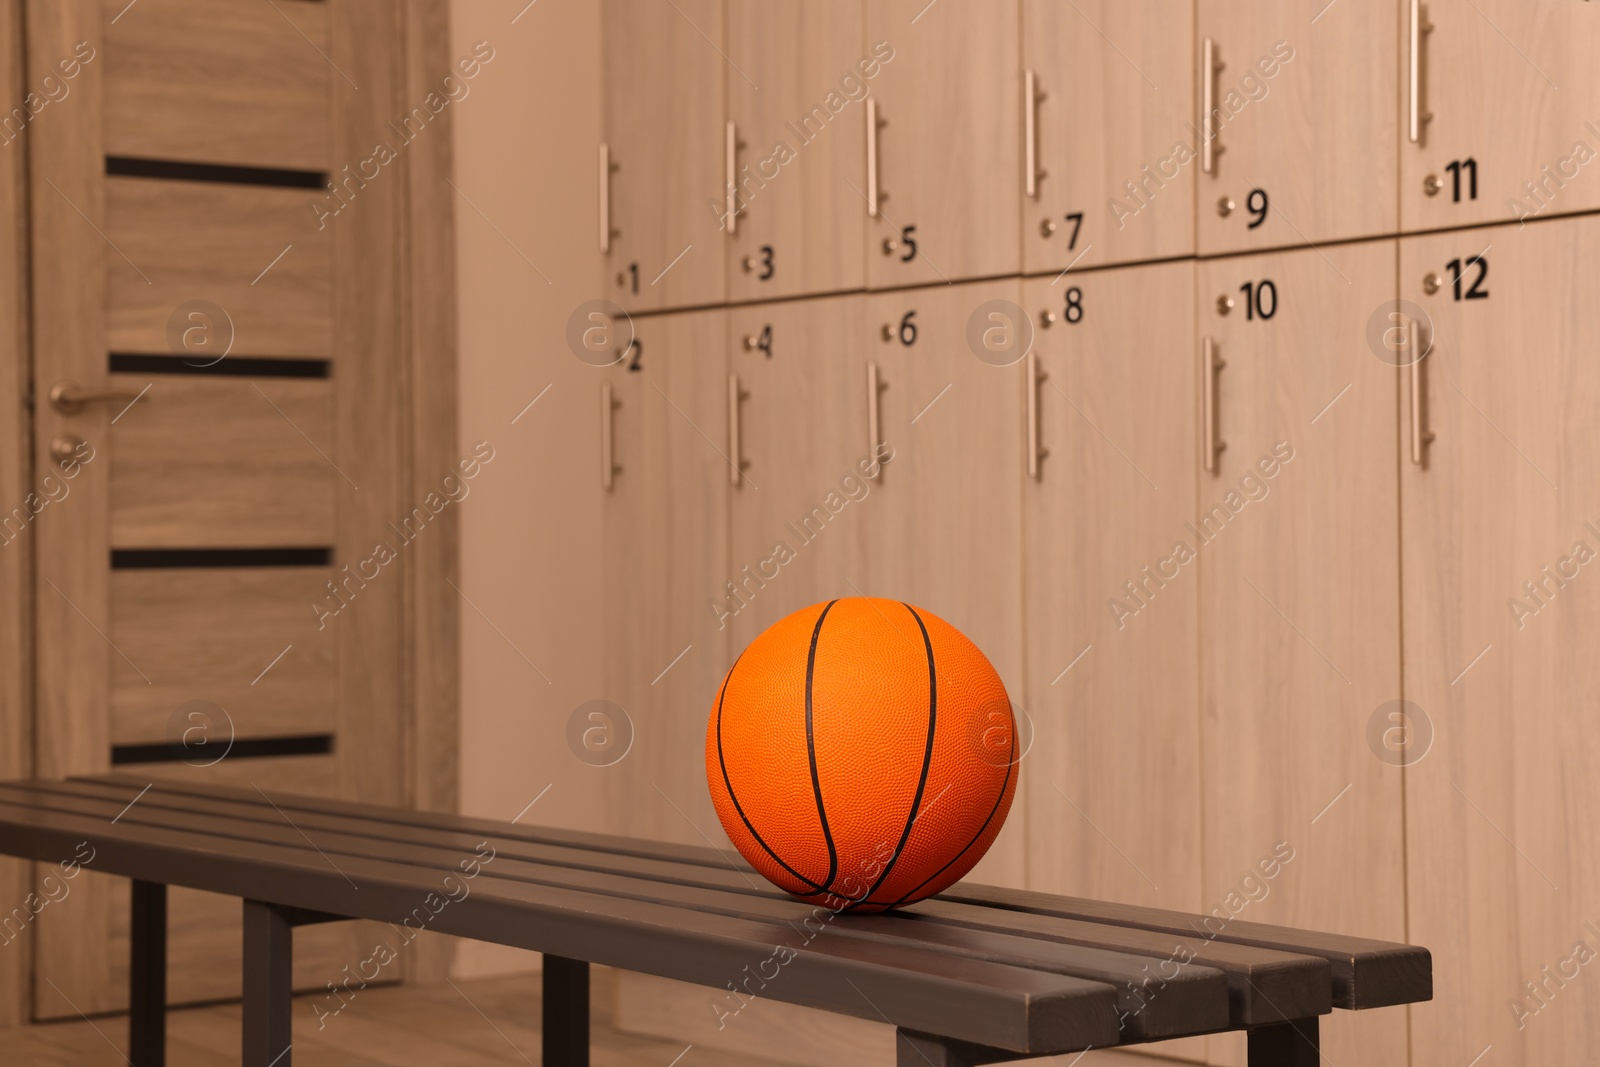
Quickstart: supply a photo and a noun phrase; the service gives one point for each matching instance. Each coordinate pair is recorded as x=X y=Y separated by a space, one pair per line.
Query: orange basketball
x=862 y=754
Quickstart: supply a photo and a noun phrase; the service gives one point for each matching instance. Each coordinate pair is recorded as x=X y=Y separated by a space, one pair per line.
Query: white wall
x=525 y=146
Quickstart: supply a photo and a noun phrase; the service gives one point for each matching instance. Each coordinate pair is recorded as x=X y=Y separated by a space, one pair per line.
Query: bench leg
x=268 y=960
x=566 y=1012
x=1291 y=1044
x=147 y=976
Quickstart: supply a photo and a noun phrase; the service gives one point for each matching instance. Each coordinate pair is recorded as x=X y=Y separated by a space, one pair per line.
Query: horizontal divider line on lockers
x=1102 y=268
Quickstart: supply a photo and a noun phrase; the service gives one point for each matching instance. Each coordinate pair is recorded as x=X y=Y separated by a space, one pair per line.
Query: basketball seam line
x=727 y=784
x=811 y=756
x=1004 y=785
x=927 y=761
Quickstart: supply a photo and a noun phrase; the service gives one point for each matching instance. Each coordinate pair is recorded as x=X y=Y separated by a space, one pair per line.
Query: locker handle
x=1210 y=364
x=608 y=463
x=1421 y=436
x=1210 y=67
x=1420 y=26
x=873 y=124
x=875 y=387
x=731 y=157
x=606 y=167
x=1034 y=378
x=736 y=463
x=1031 y=98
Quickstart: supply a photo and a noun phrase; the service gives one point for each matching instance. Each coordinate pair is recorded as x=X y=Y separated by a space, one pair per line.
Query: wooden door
x=220 y=381
x=1500 y=616
x=948 y=142
x=944 y=524
x=1295 y=538
x=799 y=519
x=1303 y=126
x=1111 y=683
x=797 y=227
x=665 y=568
x=663 y=185
x=1112 y=109
x=1507 y=105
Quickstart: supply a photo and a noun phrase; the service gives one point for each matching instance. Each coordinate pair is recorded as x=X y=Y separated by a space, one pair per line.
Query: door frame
x=426 y=334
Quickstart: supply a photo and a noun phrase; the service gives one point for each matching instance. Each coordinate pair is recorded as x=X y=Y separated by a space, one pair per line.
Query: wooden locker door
x=1113 y=108
x=666 y=559
x=1295 y=535
x=797 y=228
x=948 y=143
x=1499 y=535
x=1507 y=105
x=662 y=182
x=1305 y=127
x=798 y=519
x=209 y=603
x=1114 y=695
x=944 y=523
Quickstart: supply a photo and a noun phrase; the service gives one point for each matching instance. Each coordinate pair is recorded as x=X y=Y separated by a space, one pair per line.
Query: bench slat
x=1265 y=986
x=1193 y=999
x=973 y=1000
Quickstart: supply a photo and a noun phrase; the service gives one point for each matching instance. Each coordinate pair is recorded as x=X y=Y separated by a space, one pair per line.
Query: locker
x=1113 y=489
x=1295 y=533
x=943 y=527
x=660 y=164
x=794 y=131
x=943 y=142
x=1108 y=106
x=1297 y=124
x=1501 y=111
x=1500 y=610
x=798 y=520
x=668 y=461
x=1114 y=782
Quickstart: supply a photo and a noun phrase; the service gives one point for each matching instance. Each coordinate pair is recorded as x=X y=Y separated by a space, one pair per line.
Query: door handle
x=1210 y=67
x=1421 y=436
x=873 y=125
x=736 y=463
x=1034 y=377
x=1210 y=364
x=1419 y=27
x=606 y=168
x=875 y=387
x=1031 y=98
x=608 y=461
x=731 y=163
x=69 y=398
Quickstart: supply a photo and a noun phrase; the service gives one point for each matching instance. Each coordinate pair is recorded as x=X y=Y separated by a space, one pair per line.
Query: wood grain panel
x=233 y=82
x=943 y=529
x=223 y=461
x=1501 y=610
x=182 y=241
x=1115 y=491
x=1118 y=79
x=1306 y=89
x=1511 y=86
x=16 y=725
x=666 y=562
x=950 y=152
x=72 y=593
x=215 y=635
x=664 y=116
x=792 y=198
x=1297 y=551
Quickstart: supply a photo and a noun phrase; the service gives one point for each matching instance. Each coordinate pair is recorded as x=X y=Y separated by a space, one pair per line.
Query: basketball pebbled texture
x=862 y=754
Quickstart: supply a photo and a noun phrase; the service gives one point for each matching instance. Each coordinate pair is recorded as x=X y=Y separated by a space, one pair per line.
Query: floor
x=483 y=1023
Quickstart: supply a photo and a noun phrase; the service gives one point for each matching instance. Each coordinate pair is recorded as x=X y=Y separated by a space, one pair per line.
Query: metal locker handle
x=735 y=461
x=1421 y=436
x=875 y=386
x=608 y=461
x=873 y=123
x=732 y=163
x=1419 y=27
x=1210 y=364
x=1031 y=98
x=1210 y=66
x=1034 y=377
x=605 y=197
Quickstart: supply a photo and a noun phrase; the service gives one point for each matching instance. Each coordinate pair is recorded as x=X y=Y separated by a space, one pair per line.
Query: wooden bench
x=976 y=975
